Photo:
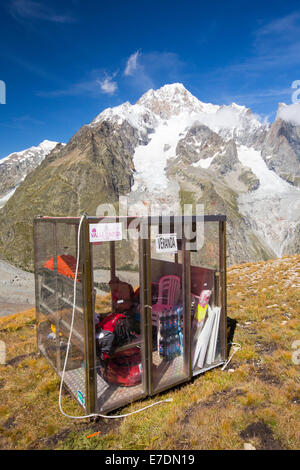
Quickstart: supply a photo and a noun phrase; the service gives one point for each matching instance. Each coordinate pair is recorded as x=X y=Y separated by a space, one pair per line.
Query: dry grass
x=257 y=403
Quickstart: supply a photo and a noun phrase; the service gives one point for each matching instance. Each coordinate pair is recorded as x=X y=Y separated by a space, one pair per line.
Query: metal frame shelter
x=55 y=252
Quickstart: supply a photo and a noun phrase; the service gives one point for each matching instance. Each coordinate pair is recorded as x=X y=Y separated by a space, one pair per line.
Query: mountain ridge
x=17 y=165
x=166 y=150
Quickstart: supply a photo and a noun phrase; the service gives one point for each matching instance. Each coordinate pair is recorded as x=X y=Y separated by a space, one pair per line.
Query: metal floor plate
x=108 y=396
x=167 y=372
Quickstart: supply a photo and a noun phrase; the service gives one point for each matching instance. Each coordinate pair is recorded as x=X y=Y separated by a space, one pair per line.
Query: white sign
x=166 y=243
x=105 y=232
x=2 y=352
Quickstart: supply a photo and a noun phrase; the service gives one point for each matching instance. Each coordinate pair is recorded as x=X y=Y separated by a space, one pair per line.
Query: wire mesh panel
x=119 y=323
x=55 y=263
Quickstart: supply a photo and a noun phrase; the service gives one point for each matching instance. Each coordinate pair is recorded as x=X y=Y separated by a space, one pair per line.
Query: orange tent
x=66 y=265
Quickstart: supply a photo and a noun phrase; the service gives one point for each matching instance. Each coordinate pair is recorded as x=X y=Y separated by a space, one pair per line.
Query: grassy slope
x=257 y=403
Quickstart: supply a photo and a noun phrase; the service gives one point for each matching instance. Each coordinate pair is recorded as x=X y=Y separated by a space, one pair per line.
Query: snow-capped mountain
x=162 y=120
x=16 y=166
x=169 y=149
x=227 y=145
x=173 y=103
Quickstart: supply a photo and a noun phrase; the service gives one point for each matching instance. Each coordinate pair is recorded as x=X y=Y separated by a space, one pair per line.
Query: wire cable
x=236 y=348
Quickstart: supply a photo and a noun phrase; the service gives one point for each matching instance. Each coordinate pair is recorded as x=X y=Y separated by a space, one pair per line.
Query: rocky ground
x=16 y=289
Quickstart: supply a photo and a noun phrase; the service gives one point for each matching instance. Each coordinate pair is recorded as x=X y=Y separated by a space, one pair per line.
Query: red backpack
x=124 y=369
x=112 y=331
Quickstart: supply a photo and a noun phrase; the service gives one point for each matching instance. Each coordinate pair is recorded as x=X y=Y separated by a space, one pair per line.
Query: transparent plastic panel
x=45 y=298
x=119 y=324
x=169 y=351
x=55 y=255
x=206 y=312
x=66 y=249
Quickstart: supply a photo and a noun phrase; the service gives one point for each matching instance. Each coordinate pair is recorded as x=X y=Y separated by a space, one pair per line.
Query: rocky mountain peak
x=16 y=166
x=172 y=100
x=289 y=113
x=43 y=148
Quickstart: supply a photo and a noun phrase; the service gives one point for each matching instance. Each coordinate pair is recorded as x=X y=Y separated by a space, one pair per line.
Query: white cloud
x=275 y=45
x=132 y=64
x=229 y=117
x=88 y=87
x=33 y=10
x=145 y=70
x=289 y=113
x=283 y=26
x=108 y=86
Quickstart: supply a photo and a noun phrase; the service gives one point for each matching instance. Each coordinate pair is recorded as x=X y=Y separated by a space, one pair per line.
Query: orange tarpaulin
x=66 y=265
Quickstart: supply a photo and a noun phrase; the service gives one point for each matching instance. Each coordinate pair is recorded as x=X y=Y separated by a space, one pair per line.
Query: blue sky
x=63 y=62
